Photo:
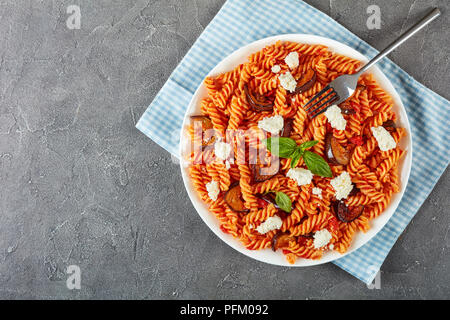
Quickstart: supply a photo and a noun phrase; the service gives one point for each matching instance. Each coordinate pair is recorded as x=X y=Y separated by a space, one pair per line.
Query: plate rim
x=406 y=162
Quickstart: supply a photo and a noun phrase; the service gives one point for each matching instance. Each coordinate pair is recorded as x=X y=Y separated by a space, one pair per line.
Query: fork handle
x=405 y=36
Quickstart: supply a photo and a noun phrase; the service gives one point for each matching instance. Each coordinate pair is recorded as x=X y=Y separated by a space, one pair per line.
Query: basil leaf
x=286 y=146
x=308 y=144
x=316 y=164
x=283 y=201
x=295 y=157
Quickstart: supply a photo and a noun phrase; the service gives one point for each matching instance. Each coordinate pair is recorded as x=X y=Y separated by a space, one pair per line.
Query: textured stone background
x=80 y=185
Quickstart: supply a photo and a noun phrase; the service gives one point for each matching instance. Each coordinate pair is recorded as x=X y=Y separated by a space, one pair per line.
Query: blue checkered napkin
x=240 y=22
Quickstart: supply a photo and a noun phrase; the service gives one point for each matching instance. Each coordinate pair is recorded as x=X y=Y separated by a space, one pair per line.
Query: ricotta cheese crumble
x=385 y=140
x=335 y=117
x=222 y=150
x=317 y=192
x=322 y=238
x=292 y=60
x=272 y=124
x=287 y=81
x=300 y=175
x=276 y=68
x=271 y=223
x=342 y=185
x=213 y=189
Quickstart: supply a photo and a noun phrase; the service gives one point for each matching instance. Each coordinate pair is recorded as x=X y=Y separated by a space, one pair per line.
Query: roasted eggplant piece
x=354 y=191
x=306 y=81
x=288 y=127
x=258 y=175
x=353 y=213
x=345 y=213
x=261 y=174
x=208 y=137
x=302 y=239
x=389 y=125
x=347 y=108
x=308 y=235
x=233 y=198
x=257 y=104
x=335 y=152
x=281 y=241
x=360 y=87
x=206 y=121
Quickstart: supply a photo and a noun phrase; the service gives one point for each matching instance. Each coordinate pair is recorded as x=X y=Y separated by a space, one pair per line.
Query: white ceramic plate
x=267 y=255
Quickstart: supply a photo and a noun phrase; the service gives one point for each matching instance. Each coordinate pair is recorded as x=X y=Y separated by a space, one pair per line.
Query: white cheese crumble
x=334 y=116
x=271 y=223
x=385 y=140
x=292 y=60
x=272 y=124
x=342 y=185
x=287 y=81
x=213 y=189
x=317 y=192
x=227 y=165
x=331 y=246
x=276 y=68
x=300 y=175
x=321 y=238
x=222 y=150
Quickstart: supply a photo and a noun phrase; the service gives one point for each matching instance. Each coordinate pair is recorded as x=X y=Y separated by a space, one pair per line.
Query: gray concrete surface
x=79 y=185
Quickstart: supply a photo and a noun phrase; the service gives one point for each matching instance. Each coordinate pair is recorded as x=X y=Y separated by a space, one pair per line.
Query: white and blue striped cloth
x=240 y=22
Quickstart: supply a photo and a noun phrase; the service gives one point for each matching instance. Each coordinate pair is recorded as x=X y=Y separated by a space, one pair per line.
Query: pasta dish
x=276 y=178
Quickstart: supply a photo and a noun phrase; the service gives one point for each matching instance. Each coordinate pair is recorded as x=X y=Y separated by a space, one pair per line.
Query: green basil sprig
x=316 y=164
x=283 y=201
x=288 y=148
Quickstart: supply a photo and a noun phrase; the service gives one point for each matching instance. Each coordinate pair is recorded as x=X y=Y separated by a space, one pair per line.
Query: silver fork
x=341 y=88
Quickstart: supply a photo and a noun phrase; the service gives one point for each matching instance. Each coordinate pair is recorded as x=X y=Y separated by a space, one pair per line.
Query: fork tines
x=320 y=102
